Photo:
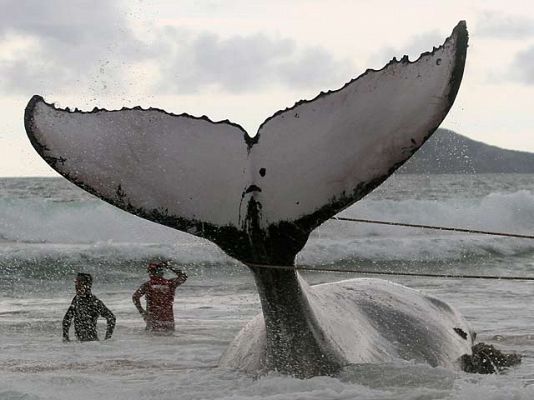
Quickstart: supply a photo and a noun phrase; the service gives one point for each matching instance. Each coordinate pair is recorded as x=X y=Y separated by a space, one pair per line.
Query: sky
x=243 y=60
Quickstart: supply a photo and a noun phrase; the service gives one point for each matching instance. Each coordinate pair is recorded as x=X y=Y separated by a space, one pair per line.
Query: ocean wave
x=34 y=220
x=32 y=228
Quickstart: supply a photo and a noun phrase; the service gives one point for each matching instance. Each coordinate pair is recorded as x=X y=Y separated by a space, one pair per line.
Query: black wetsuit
x=86 y=309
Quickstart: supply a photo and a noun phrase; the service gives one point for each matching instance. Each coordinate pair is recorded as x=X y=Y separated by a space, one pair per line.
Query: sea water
x=50 y=230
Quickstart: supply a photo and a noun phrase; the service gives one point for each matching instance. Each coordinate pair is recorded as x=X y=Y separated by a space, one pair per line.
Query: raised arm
x=67 y=320
x=181 y=277
x=136 y=298
x=109 y=316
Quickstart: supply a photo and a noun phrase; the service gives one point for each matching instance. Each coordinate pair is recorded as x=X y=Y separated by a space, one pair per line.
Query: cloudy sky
x=246 y=59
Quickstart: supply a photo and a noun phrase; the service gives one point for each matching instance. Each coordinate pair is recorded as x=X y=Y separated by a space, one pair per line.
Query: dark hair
x=85 y=279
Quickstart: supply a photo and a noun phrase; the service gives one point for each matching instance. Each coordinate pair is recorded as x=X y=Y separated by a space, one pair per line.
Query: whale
x=357 y=321
x=259 y=197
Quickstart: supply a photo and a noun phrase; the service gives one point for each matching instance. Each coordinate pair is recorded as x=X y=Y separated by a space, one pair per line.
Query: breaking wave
x=95 y=228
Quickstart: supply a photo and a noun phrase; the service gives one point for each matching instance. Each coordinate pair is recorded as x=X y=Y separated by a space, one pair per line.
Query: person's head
x=156 y=269
x=83 y=283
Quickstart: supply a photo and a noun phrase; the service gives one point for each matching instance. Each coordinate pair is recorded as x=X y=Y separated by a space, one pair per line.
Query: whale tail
x=258 y=198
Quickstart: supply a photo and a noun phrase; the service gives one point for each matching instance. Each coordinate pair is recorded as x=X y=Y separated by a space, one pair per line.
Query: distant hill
x=447 y=152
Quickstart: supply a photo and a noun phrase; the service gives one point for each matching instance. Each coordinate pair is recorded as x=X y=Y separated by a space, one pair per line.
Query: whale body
x=367 y=321
x=259 y=198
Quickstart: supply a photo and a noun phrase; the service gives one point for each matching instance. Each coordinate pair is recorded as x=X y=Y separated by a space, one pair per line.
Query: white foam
x=35 y=364
x=98 y=225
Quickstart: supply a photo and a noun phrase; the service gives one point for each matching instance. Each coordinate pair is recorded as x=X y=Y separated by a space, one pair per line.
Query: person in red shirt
x=159 y=295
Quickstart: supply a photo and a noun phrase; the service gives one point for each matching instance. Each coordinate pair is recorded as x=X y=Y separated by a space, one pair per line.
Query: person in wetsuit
x=159 y=295
x=85 y=309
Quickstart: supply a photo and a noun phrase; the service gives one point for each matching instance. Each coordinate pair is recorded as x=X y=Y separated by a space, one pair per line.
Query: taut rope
x=421 y=226
x=370 y=272
x=440 y=228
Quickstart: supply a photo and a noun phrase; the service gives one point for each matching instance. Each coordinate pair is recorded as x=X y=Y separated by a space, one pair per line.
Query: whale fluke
x=259 y=197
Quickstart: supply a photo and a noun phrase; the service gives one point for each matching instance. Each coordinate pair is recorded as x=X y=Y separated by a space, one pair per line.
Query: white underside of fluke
x=369 y=321
x=307 y=157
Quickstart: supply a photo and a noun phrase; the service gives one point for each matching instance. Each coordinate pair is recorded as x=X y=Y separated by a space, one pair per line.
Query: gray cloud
x=499 y=26
x=413 y=48
x=246 y=63
x=60 y=20
x=522 y=68
x=90 y=45
x=74 y=43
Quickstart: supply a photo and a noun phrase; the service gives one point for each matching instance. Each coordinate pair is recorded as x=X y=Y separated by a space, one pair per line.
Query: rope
x=369 y=272
x=428 y=275
x=440 y=228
